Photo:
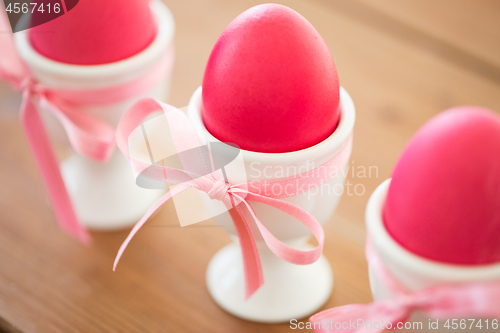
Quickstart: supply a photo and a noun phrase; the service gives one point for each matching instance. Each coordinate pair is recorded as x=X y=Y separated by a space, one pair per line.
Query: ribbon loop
x=88 y=135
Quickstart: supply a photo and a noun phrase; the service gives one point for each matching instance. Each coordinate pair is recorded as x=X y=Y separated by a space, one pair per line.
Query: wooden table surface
x=402 y=61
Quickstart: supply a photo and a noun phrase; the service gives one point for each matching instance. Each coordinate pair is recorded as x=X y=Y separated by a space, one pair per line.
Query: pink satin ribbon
x=88 y=135
x=237 y=196
x=458 y=300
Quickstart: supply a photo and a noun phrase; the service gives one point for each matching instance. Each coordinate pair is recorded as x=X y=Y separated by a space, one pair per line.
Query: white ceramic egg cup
x=289 y=291
x=105 y=195
x=412 y=271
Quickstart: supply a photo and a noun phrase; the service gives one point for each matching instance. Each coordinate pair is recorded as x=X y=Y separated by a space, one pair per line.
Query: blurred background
x=402 y=61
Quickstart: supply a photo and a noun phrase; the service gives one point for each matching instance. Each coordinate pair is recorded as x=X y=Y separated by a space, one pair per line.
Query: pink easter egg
x=95 y=32
x=270 y=84
x=443 y=202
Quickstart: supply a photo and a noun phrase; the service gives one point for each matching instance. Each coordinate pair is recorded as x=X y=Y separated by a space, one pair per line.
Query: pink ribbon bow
x=460 y=300
x=237 y=196
x=88 y=135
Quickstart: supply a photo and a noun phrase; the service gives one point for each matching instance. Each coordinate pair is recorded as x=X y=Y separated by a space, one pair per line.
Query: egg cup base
x=289 y=292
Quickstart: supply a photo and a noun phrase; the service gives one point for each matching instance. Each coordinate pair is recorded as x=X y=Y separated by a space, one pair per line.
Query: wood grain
x=397 y=59
x=467 y=26
x=449 y=29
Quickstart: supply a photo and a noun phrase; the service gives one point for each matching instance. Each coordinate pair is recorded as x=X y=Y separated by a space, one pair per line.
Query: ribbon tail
x=167 y=196
x=254 y=277
x=48 y=166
